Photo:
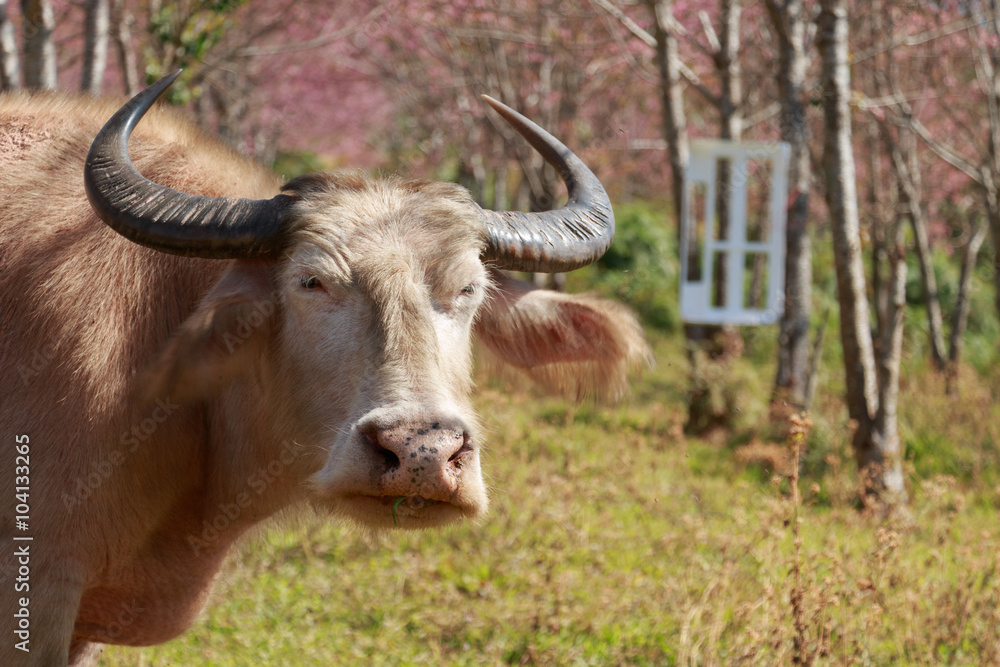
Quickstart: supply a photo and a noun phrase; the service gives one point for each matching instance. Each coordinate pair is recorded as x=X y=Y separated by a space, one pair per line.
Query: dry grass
x=615 y=540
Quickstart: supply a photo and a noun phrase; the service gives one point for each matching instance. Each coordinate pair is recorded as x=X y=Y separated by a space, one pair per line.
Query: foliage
x=984 y=326
x=182 y=34
x=290 y=164
x=980 y=349
x=640 y=268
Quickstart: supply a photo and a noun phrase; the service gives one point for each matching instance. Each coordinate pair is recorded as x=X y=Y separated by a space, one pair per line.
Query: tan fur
x=578 y=345
x=159 y=392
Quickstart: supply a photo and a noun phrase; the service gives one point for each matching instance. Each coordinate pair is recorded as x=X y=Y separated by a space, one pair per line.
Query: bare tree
x=38 y=22
x=903 y=151
x=978 y=159
x=538 y=59
x=792 y=379
x=872 y=393
x=95 y=47
x=674 y=129
x=122 y=34
x=719 y=342
x=901 y=147
x=674 y=122
x=9 y=74
x=705 y=344
x=981 y=166
x=988 y=73
x=982 y=162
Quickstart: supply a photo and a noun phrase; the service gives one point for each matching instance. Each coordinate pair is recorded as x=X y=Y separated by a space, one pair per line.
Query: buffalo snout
x=420 y=461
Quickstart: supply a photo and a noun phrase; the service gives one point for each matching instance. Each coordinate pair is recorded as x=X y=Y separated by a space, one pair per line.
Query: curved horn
x=551 y=241
x=165 y=219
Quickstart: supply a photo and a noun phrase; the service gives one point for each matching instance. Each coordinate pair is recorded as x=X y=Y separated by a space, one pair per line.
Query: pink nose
x=420 y=460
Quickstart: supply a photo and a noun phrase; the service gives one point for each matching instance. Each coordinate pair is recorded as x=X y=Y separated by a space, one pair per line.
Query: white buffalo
x=222 y=347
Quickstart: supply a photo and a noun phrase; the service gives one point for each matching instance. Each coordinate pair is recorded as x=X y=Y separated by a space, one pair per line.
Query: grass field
x=614 y=539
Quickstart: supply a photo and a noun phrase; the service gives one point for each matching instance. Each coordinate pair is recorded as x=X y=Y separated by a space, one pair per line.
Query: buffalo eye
x=309 y=282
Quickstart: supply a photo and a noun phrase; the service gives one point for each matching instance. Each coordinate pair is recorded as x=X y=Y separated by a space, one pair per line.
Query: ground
x=614 y=539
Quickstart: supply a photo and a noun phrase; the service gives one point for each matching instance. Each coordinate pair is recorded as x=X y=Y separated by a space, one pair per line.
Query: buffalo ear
x=222 y=340
x=577 y=344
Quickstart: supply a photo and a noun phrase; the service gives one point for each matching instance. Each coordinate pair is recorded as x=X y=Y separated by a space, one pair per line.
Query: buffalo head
x=343 y=322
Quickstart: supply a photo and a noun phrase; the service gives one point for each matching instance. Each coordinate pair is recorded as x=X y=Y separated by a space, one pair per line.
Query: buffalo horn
x=551 y=241
x=165 y=219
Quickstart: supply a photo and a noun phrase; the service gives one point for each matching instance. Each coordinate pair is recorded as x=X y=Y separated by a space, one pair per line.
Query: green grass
x=614 y=540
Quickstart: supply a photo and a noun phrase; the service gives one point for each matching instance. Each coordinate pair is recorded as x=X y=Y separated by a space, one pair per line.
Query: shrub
x=640 y=268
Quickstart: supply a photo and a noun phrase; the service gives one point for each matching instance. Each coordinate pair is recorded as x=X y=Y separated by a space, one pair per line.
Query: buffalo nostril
x=389 y=458
x=460 y=453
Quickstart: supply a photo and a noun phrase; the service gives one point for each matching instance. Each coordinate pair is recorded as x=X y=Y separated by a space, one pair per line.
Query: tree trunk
x=841 y=195
x=674 y=128
x=904 y=162
x=95 y=47
x=501 y=198
x=39 y=49
x=122 y=21
x=875 y=442
x=791 y=382
x=885 y=431
x=991 y=63
x=991 y=198
x=9 y=73
x=674 y=123
x=727 y=63
x=881 y=208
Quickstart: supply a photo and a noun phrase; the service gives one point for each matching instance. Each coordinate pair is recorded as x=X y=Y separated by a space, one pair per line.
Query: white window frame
x=696 y=296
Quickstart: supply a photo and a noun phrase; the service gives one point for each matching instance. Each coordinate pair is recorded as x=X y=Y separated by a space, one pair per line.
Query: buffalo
x=190 y=347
